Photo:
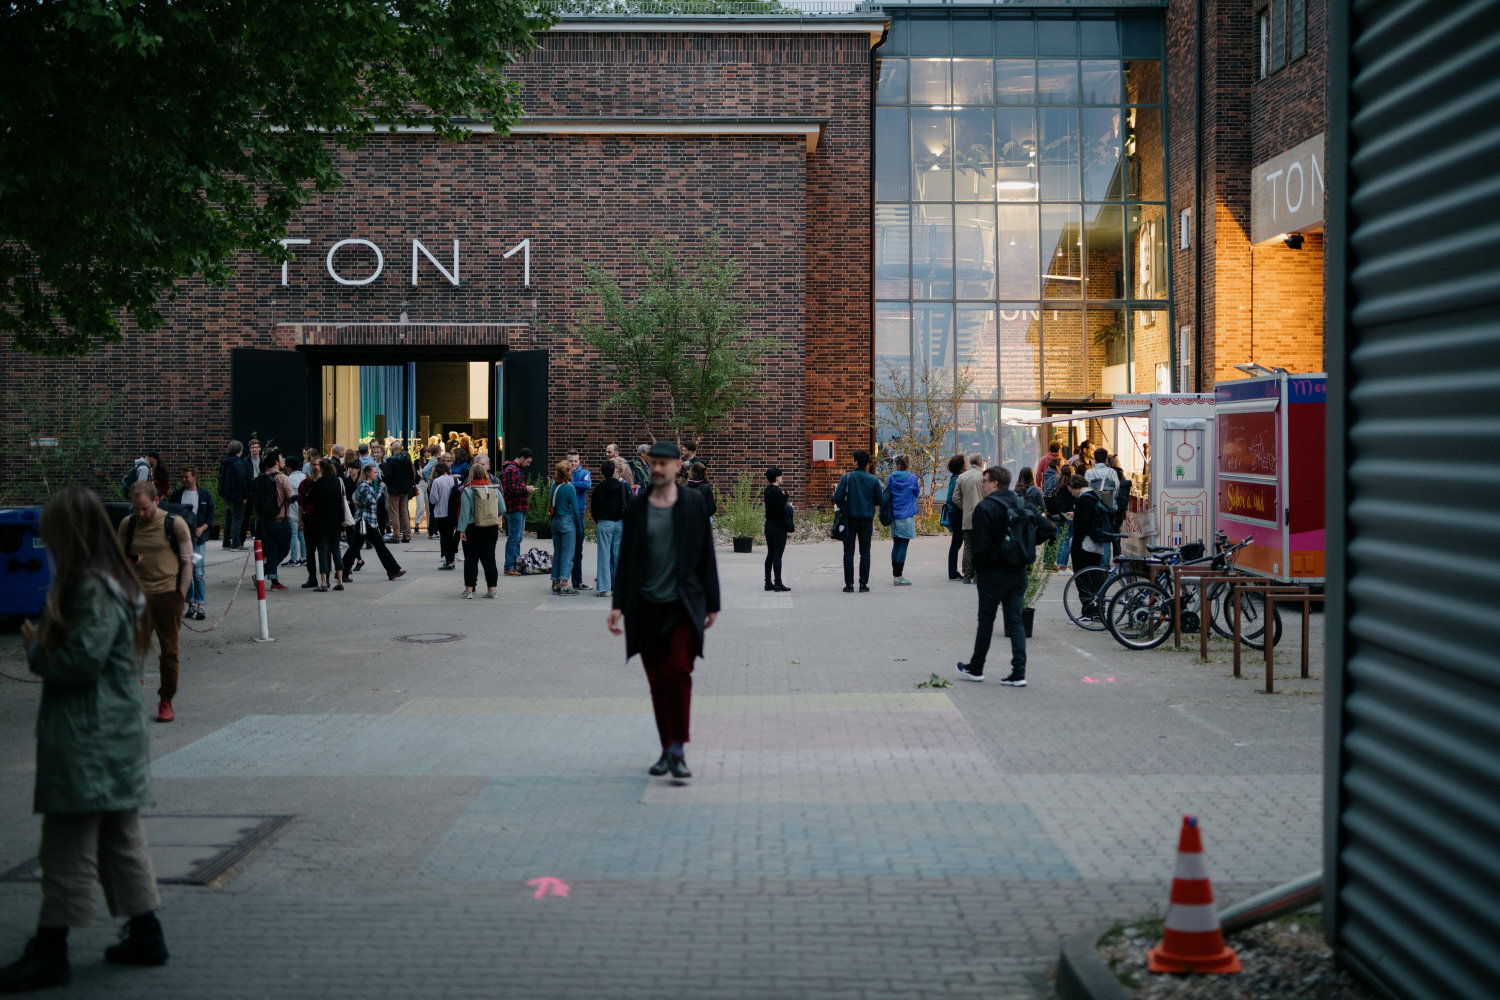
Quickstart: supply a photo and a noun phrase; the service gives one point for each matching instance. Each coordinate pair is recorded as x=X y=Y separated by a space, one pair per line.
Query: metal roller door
x=1412 y=890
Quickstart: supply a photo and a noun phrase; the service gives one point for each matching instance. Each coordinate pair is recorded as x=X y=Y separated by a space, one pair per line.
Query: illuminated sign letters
x=353 y=269
x=1288 y=192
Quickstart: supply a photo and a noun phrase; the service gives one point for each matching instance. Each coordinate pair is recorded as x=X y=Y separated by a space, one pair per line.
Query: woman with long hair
x=369 y=499
x=93 y=768
x=480 y=501
x=324 y=519
x=562 y=503
x=904 y=488
x=956 y=466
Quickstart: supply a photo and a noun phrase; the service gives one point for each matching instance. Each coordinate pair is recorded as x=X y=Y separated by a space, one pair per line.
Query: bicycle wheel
x=1252 y=618
x=1139 y=615
x=1085 y=614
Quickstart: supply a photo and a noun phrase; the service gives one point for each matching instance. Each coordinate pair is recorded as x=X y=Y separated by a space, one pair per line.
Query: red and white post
x=260 y=594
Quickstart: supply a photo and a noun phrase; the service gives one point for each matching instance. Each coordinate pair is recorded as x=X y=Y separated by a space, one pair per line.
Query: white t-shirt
x=294 y=510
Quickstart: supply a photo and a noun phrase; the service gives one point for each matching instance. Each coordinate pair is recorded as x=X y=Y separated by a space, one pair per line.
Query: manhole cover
x=426 y=637
x=188 y=850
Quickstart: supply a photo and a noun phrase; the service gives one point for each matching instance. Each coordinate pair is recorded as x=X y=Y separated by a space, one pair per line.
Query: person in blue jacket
x=562 y=500
x=903 y=488
x=858 y=498
x=582 y=483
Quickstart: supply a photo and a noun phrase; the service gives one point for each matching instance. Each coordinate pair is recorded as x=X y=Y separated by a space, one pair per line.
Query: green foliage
x=81 y=457
x=150 y=142
x=740 y=508
x=537 y=513
x=916 y=412
x=935 y=682
x=678 y=344
x=1039 y=572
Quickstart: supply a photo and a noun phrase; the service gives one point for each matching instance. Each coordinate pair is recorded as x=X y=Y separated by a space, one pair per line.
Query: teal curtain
x=386 y=389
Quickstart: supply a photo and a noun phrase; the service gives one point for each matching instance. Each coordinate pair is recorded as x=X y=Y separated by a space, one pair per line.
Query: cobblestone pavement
x=845 y=835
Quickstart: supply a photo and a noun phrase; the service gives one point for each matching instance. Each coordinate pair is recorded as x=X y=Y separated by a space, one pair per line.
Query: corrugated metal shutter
x=1413 y=862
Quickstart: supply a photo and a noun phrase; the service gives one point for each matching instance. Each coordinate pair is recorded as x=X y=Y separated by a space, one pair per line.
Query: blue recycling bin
x=25 y=573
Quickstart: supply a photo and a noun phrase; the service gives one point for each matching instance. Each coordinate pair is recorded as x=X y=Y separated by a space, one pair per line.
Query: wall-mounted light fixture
x=1294 y=241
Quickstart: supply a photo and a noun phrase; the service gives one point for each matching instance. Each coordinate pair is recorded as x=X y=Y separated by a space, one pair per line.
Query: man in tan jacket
x=968 y=493
x=164 y=565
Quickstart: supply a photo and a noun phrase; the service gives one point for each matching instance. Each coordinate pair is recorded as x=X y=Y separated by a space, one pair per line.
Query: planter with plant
x=742 y=513
x=536 y=515
x=1037 y=575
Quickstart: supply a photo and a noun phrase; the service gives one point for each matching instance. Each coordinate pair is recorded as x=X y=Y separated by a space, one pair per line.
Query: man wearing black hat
x=667 y=592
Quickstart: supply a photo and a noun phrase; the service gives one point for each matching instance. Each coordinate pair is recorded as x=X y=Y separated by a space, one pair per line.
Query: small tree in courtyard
x=679 y=342
x=917 y=411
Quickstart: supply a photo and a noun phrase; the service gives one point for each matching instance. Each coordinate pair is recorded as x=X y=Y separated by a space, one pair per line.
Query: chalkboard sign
x=1247 y=443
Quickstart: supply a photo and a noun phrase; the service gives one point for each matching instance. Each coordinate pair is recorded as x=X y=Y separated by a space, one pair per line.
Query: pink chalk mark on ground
x=1094 y=680
x=548 y=886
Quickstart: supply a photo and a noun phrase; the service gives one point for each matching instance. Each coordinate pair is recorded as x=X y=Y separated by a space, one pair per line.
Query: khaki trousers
x=968 y=556
x=398 y=504
x=80 y=850
x=165 y=613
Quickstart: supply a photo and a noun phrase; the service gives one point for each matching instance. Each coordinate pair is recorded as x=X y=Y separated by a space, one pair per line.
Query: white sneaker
x=468 y=595
x=963 y=671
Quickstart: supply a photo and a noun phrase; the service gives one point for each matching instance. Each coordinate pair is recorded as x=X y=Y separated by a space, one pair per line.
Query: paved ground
x=846 y=834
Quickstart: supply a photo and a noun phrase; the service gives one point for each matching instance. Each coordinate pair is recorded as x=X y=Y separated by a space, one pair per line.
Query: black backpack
x=263 y=493
x=129 y=479
x=1018 y=543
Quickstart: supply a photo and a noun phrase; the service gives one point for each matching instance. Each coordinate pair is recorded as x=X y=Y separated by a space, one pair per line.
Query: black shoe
x=662 y=766
x=359 y=565
x=141 y=943
x=309 y=585
x=848 y=588
x=782 y=588
x=41 y=965
x=201 y=615
x=582 y=586
x=1015 y=680
x=769 y=588
x=679 y=768
x=864 y=589
x=969 y=675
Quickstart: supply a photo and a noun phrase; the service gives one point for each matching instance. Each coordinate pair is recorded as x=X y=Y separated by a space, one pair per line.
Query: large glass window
x=1020 y=218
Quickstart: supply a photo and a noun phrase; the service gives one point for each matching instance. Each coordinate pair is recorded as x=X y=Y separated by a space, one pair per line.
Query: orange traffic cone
x=1193 y=941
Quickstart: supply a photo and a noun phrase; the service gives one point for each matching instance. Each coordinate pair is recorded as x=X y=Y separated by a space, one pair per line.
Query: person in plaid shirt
x=369 y=498
x=517 y=501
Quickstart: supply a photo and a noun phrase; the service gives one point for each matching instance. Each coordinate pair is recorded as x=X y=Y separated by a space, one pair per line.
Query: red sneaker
x=397 y=575
x=164 y=712
x=278 y=585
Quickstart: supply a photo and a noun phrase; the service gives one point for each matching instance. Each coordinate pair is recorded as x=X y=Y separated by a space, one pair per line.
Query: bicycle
x=1102 y=582
x=1139 y=614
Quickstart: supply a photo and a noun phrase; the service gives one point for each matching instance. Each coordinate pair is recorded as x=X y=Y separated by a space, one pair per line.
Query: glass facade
x=1020 y=216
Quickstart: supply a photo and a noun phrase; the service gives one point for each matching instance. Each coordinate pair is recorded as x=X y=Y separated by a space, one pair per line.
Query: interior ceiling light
x=1015 y=185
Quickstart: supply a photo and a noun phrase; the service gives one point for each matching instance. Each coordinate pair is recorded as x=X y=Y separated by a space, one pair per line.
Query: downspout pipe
x=1295 y=895
x=1198 y=197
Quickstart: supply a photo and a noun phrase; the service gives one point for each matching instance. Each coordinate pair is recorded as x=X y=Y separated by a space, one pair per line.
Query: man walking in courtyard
x=968 y=493
x=1005 y=532
x=160 y=548
x=667 y=593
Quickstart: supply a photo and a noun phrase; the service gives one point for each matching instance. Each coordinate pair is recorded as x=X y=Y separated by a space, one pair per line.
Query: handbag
x=840 y=529
x=887 y=508
x=348 y=521
x=788 y=518
x=945 y=519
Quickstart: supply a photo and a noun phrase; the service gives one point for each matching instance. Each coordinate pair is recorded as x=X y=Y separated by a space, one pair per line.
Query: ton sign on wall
x=1288 y=192
x=342 y=260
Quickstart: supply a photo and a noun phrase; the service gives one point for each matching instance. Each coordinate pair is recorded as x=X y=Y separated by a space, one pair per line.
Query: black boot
x=44 y=963
x=141 y=943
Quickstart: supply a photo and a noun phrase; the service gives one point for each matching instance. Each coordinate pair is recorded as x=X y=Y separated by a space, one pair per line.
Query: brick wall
x=799 y=224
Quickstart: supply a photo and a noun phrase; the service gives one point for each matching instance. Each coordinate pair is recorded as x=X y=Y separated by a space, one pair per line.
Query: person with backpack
x=139 y=472
x=369 y=497
x=1093 y=521
x=562 y=506
x=1105 y=484
x=480 y=508
x=1060 y=508
x=234 y=490
x=271 y=495
x=202 y=503
x=857 y=497
x=901 y=491
x=1005 y=532
x=93 y=755
x=159 y=546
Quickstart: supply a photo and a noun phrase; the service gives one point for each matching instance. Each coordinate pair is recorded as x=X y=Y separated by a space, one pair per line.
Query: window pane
x=979 y=430
x=1297 y=16
x=929 y=37
x=1057 y=35
x=1145 y=180
x=1064 y=362
x=932 y=252
x=892 y=251
x=1104 y=252
x=1057 y=81
x=892 y=336
x=932 y=154
x=895 y=38
x=974 y=251
x=1108 y=351
x=1015 y=155
x=973 y=36
x=1020 y=335
x=1101 y=81
x=929 y=81
x=1059 y=154
x=891 y=88
x=1062 y=251
x=1015 y=81
x=1147 y=249
x=1101 y=155
x=1015 y=34
x=892 y=156
x=973 y=82
x=1017 y=258
x=974 y=154
x=978 y=350
x=1278 y=34
x=932 y=330
x=1141 y=35
x=1142 y=81
x=1150 y=350
x=1100 y=36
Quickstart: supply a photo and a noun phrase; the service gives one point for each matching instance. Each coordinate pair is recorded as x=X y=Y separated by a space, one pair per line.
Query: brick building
x=1017 y=191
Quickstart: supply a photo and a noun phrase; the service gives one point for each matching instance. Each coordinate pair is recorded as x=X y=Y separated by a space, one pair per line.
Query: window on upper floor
x=1282 y=26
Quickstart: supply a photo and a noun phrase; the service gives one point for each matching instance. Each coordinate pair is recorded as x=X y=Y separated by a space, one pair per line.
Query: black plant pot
x=1028 y=618
x=743 y=544
x=543 y=531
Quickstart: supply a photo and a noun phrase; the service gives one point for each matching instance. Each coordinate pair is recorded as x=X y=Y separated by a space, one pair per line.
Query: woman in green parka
x=92 y=761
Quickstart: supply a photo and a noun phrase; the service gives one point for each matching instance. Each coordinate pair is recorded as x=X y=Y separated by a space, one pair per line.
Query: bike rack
x=1202 y=575
x=1273 y=594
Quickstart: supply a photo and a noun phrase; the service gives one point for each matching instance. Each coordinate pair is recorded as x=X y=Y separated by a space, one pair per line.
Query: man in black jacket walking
x=234 y=490
x=667 y=592
x=400 y=478
x=1002 y=581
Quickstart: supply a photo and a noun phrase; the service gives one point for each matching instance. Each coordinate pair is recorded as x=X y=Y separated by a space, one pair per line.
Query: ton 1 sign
x=419 y=250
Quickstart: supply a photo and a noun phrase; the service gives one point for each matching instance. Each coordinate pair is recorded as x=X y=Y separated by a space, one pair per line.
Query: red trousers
x=668 y=658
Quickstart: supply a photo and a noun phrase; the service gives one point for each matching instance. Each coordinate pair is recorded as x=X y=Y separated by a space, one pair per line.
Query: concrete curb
x=1082 y=974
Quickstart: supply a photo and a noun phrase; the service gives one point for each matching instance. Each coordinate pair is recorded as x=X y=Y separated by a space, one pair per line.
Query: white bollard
x=260 y=595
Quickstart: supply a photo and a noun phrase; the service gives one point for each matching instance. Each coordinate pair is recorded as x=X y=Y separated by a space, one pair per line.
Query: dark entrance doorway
x=326 y=395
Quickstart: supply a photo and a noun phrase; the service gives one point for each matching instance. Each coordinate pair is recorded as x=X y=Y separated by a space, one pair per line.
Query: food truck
x=1270 y=472
x=1165 y=443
